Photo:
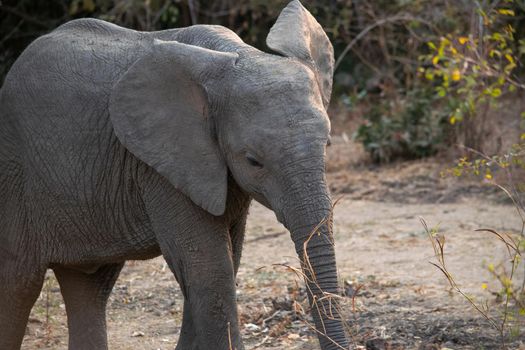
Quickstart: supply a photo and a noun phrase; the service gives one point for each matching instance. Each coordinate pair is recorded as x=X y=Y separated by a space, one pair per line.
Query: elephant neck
x=237 y=202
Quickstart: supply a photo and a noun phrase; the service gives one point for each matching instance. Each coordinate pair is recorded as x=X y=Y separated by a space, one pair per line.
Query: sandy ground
x=395 y=298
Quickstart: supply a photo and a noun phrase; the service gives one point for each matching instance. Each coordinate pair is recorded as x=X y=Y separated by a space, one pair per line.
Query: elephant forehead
x=297 y=114
x=303 y=147
x=269 y=77
x=287 y=129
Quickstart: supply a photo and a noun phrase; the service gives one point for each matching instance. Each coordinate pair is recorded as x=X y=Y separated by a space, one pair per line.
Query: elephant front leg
x=205 y=271
x=198 y=249
x=187 y=338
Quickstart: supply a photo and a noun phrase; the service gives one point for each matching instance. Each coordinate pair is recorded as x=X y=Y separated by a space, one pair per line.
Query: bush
x=413 y=130
x=473 y=70
x=468 y=55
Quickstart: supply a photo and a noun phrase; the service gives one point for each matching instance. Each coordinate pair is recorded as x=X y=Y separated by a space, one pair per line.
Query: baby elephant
x=118 y=145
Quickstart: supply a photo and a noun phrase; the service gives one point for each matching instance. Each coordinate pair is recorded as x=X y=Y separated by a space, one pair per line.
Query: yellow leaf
x=431 y=45
x=509 y=58
x=506 y=12
x=462 y=40
x=456 y=75
x=435 y=60
x=522 y=136
x=488 y=176
x=452 y=119
x=484 y=286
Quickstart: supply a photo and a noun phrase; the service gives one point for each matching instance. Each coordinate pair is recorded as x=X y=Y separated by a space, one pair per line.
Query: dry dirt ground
x=395 y=298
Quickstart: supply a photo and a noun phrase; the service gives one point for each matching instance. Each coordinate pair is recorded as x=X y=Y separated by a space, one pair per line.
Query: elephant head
x=260 y=117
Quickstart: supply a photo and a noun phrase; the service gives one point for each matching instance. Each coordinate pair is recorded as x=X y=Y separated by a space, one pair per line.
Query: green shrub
x=415 y=129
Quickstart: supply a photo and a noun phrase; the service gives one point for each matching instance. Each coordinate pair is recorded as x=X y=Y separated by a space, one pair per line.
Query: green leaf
x=441 y=91
x=496 y=92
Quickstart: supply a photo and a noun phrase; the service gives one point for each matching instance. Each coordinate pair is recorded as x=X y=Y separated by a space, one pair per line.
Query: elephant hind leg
x=20 y=287
x=85 y=295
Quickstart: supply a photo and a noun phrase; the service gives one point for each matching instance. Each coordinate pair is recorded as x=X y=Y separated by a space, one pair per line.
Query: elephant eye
x=253 y=162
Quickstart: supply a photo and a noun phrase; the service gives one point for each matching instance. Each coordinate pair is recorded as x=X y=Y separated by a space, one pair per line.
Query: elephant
x=121 y=145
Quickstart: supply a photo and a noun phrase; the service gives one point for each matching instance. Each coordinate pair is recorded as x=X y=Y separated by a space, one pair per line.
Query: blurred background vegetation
x=413 y=77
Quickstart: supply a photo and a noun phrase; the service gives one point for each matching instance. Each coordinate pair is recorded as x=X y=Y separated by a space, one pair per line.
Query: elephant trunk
x=315 y=248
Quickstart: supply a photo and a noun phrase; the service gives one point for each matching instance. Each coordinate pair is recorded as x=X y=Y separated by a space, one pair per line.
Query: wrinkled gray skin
x=119 y=145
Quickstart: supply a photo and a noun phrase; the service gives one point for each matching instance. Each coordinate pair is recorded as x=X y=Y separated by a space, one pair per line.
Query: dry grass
x=334 y=311
x=514 y=244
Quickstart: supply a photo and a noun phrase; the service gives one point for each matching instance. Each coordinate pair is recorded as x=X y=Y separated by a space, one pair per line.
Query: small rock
x=294 y=336
x=252 y=327
x=137 y=334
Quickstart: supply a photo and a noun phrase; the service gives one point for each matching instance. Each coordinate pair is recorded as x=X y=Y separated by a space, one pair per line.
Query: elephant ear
x=159 y=111
x=297 y=34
